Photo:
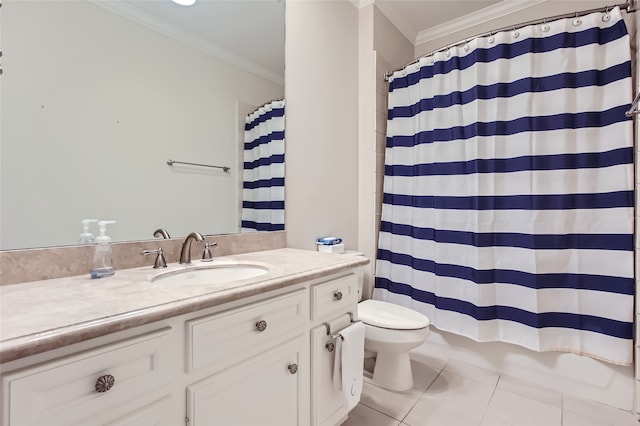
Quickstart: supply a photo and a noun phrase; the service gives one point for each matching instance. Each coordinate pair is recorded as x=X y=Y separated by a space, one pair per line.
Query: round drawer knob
x=104 y=383
x=330 y=347
x=261 y=325
x=293 y=368
x=337 y=295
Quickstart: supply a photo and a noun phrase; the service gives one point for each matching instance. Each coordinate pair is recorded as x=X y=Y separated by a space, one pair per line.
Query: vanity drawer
x=228 y=337
x=63 y=392
x=336 y=295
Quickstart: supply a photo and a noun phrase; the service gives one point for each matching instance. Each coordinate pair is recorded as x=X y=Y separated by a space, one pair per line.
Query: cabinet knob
x=293 y=368
x=104 y=383
x=337 y=295
x=261 y=325
x=330 y=347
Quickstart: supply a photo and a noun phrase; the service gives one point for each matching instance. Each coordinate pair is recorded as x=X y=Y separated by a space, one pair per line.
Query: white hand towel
x=347 y=367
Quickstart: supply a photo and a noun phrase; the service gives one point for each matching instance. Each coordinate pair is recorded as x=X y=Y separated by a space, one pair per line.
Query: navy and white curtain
x=508 y=191
x=263 y=176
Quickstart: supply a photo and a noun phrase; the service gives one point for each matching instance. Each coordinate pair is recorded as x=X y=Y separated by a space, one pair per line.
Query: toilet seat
x=392 y=316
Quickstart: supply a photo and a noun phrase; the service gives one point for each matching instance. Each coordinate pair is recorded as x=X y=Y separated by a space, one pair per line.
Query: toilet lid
x=389 y=315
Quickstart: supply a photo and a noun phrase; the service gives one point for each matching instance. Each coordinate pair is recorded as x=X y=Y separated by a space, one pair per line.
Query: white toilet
x=391 y=331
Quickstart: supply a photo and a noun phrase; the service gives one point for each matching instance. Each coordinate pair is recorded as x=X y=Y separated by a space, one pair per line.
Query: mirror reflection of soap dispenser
x=102 y=262
x=86 y=237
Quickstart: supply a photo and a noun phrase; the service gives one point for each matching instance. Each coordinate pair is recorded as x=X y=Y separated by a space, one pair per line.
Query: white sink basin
x=210 y=274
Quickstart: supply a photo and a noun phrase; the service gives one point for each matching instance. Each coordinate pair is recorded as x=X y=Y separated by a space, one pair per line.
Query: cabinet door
x=267 y=389
x=158 y=413
x=327 y=404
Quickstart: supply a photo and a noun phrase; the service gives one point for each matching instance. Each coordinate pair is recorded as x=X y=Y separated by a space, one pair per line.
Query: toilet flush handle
x=337 y=295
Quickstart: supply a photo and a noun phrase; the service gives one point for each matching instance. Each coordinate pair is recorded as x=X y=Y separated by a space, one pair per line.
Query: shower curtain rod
x=268 y=102
x=627 y=7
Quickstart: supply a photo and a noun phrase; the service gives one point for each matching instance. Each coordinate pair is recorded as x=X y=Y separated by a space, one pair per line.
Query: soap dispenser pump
x=86 y=237
x=102 y=262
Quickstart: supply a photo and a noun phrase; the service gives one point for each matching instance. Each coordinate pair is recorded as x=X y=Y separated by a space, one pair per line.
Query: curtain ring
x=466 y=45
x=491 y=39
x=577 y=21
x=607 y=16
x=515 y=33
x=544 y=26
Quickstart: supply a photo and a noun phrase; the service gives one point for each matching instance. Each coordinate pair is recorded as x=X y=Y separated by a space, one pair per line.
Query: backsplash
x=17 y=266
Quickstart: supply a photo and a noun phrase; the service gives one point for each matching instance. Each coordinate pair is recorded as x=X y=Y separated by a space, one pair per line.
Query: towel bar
x=172 y=162
x=328 y=326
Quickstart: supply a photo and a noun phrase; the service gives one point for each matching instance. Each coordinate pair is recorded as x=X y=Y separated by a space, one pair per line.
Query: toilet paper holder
x=331 y=346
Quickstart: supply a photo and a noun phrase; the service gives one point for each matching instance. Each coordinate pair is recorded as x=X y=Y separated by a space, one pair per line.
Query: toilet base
x=393 y=371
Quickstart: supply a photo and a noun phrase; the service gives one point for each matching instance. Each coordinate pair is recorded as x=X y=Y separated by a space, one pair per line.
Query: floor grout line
x=423 y=392
x=495 y=388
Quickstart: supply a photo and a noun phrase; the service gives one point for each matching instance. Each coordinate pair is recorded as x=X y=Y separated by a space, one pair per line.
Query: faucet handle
x=160 y=260
x=206 y=255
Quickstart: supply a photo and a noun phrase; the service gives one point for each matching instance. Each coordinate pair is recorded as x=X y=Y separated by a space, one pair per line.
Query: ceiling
x=250 y=33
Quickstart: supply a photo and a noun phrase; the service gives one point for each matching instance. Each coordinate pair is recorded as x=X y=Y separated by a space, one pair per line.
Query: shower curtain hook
x=544 y=26
x=576 y=20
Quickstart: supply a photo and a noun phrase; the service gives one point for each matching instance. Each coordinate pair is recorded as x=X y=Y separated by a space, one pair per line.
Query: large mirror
x=97 y=96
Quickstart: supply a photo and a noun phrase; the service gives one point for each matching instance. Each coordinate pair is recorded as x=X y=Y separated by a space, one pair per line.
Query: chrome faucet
x=161 y=232
x=185 y=253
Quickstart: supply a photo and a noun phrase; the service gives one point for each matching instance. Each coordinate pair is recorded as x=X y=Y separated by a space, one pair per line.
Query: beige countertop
x=43 y=315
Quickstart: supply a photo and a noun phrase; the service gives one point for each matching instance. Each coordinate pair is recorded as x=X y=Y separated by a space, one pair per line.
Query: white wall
x=93 y=106
x=321 y=76
x=382 y=47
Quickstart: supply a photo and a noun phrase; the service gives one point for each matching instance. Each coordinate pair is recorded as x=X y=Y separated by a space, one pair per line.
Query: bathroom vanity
x=131 y=350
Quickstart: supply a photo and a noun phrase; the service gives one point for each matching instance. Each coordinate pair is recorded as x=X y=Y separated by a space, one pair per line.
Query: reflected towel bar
x=172 y=162
x=634 y=106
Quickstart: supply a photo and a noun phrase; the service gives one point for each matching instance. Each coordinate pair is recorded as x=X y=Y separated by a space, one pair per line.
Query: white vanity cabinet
x=334 y=305
x=255 y=361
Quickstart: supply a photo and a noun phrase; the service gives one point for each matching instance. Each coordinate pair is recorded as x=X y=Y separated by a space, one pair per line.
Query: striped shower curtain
x=263 y=176
x=508 y=192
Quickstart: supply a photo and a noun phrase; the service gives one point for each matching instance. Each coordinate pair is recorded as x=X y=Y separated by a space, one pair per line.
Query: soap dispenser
x=102 y=262
x=86 y=237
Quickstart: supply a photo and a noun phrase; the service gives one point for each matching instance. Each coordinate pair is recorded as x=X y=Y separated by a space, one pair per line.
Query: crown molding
x=126 y=11
x=498 y=10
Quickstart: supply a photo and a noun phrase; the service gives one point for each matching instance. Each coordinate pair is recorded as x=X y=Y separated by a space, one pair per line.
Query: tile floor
x=457 y=394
